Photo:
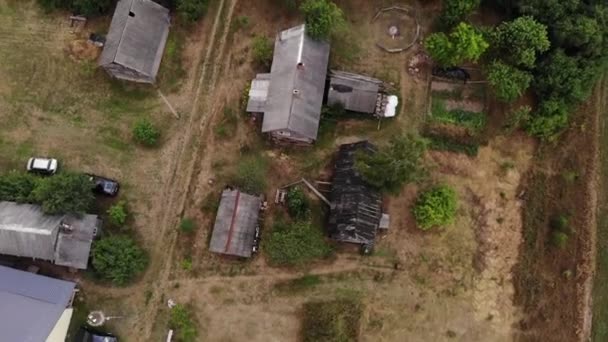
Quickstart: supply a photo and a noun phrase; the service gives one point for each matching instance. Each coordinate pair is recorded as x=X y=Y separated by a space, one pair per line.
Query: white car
x=47 y=166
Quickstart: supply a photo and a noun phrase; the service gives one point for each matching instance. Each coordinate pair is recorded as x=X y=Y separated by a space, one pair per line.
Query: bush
x=518 y=117
x=263 y=51
x=435 y=207
x=64 y=193
x=180 y=320
x=332 y=321
x=118 y=259
x=191 y=10
x=17 y=187
x=251 y=174
x=322 y=17
x=117 y=214
x=559 y=239
x=187 y=225
x=146 y=133
x=296 y=244
x=87 y=8
x=297 y=203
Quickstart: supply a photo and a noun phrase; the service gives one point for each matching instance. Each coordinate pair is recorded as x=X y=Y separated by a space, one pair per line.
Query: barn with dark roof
x=356 y=208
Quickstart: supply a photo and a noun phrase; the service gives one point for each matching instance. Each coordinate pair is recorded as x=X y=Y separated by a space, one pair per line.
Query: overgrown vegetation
x=332 y=321
x=63 y=193
x=297 y=285
x=181 y=320
x=227 y=127
x=392 y=166
x=191 y=10
x=118 y=259
x=472 y=120
x=435 y=207
x=294 y=244
x=87 y=8
x=251 y=174
x=297 y=203
x=445 y=143
x=145 y=133
x=263 y=49
x=323 y=18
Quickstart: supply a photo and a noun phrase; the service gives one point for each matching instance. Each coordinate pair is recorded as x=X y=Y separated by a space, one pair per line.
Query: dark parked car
x=86 y=334
x=104 y=186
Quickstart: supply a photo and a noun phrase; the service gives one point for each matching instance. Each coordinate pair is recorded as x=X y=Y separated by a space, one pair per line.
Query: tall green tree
x=455 y=11
x=520 y=41
x=323 y=18
x=508 y=82
x=464 y=43
x=64 y=193
x=118 y=259
x=394 y=165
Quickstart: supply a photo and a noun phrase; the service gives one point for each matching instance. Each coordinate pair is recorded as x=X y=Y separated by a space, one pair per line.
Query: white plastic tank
x=391 y=106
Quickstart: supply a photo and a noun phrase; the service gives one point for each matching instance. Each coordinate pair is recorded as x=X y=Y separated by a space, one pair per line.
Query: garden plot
x=458 y=104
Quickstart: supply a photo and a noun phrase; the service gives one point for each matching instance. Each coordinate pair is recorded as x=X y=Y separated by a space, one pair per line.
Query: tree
x=64 y=193
x=322 y=18
x=192 y=10
x=435 y=207
x=117 y=214
x=146 y=133
x=394 y=165
x=520 y=41
x=455 y=11
x=262 y=51
x=508 y=82
x=464 y=43
x=548 y=11
x=118 y=259
x=580 y=32
x=550 y=118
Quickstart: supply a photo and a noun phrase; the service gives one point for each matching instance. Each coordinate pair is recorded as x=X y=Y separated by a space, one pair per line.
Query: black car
x=104 y=186
x=86 y=334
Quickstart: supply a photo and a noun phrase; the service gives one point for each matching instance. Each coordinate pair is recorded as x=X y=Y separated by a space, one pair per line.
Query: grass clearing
x=227 y=127
x=298 y=285
x=445 y=143
x=332 y=321
x=471 y=120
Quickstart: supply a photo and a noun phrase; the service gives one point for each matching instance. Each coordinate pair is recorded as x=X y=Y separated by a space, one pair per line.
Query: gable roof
x=356 y=206
x=235 y=223
x=295 y=94
x=25 y=231
x=31 y=304
x=354 y=92
x=137 y=41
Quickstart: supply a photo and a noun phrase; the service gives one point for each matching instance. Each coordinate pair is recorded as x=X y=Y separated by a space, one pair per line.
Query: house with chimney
x=291 y=95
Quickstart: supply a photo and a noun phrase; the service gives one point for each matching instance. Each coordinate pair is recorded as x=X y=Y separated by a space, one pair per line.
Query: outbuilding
x=236 y=227
x=360 y=94
x=136 y=40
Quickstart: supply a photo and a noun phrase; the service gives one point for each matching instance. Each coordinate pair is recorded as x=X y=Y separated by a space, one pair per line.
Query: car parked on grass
x=45 y=166
x=103 y=185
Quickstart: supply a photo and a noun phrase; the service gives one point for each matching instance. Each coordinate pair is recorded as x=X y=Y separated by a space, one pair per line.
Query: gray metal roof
x=137 y=36
x=354 y=92
x=235 y=223
x=295 y=96
x=25 y=231
x=258 y=94
x=30 y=304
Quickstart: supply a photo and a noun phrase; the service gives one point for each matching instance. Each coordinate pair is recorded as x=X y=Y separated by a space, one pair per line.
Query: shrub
x=332 y=321
x=17 y=186
x=297 y=203
x=322 y=18
x=191 y=10
x=146 y=133
x=559 y=239
x=64 y=193
x=262 y=51
x=187 y=264
x=118 y=259
x=251 y=174
x=518 y=118
x=296 y=244
x=180 y=320
x=560 y=222
x=117 y=214
x=435 y=207
x=187 y=225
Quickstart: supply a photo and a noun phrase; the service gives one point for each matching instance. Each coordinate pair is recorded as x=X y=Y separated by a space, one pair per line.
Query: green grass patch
x=332 y=321
x=251 y=173
x=227 y=127
x=171 y=70
x=182 y=321
x=297 y=285
x=445 y=143
x=471 y=120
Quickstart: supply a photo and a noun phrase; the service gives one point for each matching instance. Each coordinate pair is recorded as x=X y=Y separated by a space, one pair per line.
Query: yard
x=461 y=282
